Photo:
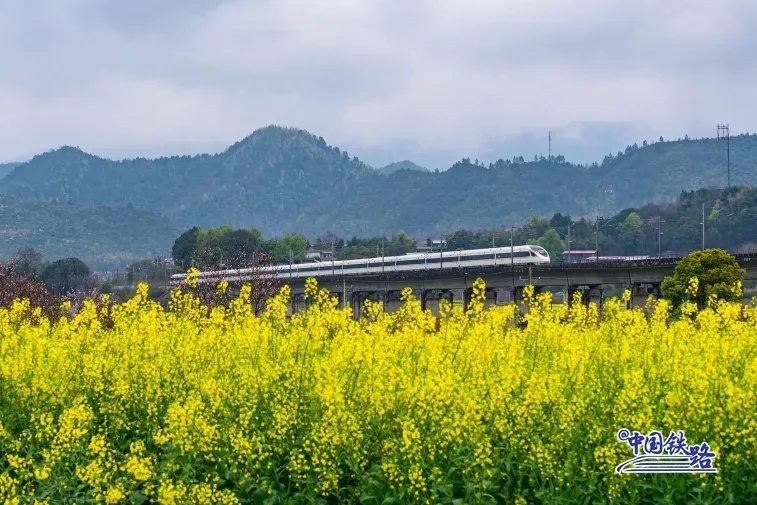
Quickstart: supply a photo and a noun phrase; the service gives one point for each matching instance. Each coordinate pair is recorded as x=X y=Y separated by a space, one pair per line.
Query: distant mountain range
x=282 y=180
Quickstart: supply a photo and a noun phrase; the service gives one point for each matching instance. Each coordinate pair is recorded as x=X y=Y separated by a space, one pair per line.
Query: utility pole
x=512 y=246
x=333 y=257
x=549 y=135
x=724 y=132
x=383 y=265
x=659 y=237
x=441 y=248
x=569 y=226
x=702 y=227
x=596 y=239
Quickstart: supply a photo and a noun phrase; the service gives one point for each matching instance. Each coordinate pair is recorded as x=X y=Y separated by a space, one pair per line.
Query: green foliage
x=671 y=227
x=293 y=246
x=534 y=228
x=6 y=168
x=225 y=247
x=717 y=275
x=66 y=275
x=552 y=243
x=400 y=244
x=103 y=237
x=632 y=230
x=355 y=248
x=467 y=239
x=184 y=247
x=219 y=247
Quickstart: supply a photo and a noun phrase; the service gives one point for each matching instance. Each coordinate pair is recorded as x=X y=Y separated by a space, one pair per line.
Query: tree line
x=730 y=221
x=226 y=247
x=674 y=228
x=61 y=276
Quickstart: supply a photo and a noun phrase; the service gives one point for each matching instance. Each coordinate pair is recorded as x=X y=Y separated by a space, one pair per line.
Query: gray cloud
x=427 y=80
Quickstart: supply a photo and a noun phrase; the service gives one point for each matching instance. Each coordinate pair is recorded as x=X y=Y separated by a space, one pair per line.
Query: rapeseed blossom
x=132 y=402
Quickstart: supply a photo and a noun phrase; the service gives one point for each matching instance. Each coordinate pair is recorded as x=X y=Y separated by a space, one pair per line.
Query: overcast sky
x=387 y=80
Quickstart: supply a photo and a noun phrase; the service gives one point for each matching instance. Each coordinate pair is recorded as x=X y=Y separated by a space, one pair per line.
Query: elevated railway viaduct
x=503 y=283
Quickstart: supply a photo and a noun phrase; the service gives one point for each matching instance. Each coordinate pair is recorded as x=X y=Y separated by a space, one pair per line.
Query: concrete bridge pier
x=356 y=304
x=393 y=300
x=570 y=291
x=595 y=294
x=458 y=297
x=491 y=297
x=640 y=292
x=360 y=297
x=431 y=299
x=503 y=296
x=297 y=303
x=592 y=293
x=517 y=294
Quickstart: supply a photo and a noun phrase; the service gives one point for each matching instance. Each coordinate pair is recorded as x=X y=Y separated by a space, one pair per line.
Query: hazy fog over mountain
x=428 y=81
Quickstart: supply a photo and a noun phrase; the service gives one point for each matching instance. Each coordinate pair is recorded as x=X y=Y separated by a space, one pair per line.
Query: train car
x=490 y=257
x=616 y=259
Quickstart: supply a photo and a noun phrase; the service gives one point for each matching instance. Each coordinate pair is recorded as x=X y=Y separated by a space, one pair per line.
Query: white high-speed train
x=491 y=257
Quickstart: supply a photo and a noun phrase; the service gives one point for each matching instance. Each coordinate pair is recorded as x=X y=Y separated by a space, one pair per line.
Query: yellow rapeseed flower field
x=133 y=403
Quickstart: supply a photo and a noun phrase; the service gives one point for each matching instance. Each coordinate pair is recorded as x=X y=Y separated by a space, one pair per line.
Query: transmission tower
x=724 y=133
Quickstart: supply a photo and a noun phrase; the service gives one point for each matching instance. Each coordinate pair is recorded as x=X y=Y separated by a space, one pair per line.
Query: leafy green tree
x=294 y=244
x=632 y=232
x=67 y=275
x=240 y=246
x=220 y=247
x=552 y=243
x=461 y=239
x=213 y=237
x=717 y=274
x=400 y=244
x=560 y=223
x=534 y=228
x=184 y=248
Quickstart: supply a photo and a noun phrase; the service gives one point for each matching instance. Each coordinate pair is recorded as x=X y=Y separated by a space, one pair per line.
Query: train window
x=411 y=262
x=477 y=257
x=516 y=254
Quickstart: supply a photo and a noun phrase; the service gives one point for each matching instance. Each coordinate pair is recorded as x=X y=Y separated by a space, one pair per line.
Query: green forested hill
x=283 y=180
x=6 y=168
x=104 y=237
